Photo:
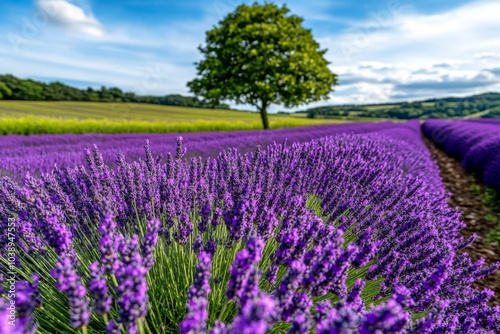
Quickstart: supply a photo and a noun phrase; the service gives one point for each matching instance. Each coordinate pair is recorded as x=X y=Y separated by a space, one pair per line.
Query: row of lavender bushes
x=475 y=143
x=39 y=153
x=341 y=234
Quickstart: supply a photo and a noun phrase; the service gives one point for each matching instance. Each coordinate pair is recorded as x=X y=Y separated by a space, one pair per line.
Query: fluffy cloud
x=67 y=15
x=400 y=54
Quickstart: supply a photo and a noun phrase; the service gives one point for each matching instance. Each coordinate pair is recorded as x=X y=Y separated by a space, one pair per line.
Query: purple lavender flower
x=328 y=266
x=99 y=289
x=267 y=224
x=219 y=328
x=256 y=316
x=132 y=290
x=113 y=327
x=388 y=318
x=108 y=244
x=211 y=246
x=300 y=324
x=242 y=270
x=290 y=299
x=367 y=250
x=205 y=218
x=69 y=283
x=149 y=242
x=354 y=299
x=336 y=320
x=198 y=244
x=57 y=233
x=197 y=316
x=27 y=298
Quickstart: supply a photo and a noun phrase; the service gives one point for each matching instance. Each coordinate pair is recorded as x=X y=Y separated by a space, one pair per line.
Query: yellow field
x=26 y=117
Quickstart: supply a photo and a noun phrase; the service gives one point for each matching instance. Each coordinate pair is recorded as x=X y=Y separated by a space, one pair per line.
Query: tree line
x=13 y=88
x=435 y=108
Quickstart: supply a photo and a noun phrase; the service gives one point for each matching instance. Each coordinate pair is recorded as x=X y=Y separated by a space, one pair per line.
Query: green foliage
x=491 y=199
x=4 y=91
x=494 y=235
x=484 y=105
x=27 y=90
x=12 y=88
x=260 y=55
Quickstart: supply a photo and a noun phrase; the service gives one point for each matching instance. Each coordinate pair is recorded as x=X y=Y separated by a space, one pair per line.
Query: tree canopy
x=262 y=55
x=4 y=90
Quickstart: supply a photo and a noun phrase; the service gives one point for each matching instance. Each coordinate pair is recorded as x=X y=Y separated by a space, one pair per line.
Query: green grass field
x=26 y=117
x=479 y=114
x=119 y=111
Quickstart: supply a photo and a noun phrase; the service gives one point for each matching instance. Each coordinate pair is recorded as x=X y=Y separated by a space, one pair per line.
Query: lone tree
x=260 y=55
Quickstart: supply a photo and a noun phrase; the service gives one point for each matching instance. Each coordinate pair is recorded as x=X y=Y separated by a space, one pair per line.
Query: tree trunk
x=263 y=116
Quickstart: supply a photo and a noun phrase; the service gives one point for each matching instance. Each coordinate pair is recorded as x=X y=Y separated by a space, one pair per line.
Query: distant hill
x=477 y=106
x=12 y=88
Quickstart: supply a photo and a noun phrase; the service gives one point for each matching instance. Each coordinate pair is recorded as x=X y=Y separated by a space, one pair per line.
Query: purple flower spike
x=256 y=317
x=219 y=328
x=69 y=283
x=242 y=268
x=288 y=295
x=99 y=289
x=337 y=320
x=354 y=300
x=300 y=324
x=197 y=316
x=108 y=245
x=113 y=327
x=132 y=289
x=211 y=246
x=149 y=242
x=27 y=298
x=198 y=244
x=389 y=318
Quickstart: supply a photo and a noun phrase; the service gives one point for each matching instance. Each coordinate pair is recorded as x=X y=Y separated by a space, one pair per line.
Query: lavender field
x=338 y=229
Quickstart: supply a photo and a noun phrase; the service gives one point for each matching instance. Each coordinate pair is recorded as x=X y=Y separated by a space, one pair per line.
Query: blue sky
x=382 y=50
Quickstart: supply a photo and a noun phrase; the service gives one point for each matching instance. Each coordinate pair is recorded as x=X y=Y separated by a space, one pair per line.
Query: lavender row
x=476 y=144
x=343 y=234
x=38 y=154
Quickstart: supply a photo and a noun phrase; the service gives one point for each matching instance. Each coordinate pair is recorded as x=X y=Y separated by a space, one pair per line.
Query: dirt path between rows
x=473 y=213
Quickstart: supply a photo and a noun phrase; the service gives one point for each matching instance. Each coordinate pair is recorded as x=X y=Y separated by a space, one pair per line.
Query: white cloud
x=153 y=61
x=413 y=56
x=69 y=16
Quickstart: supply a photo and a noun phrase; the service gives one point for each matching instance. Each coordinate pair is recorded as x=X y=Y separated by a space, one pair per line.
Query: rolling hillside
x=43 y=117
x=477 y=106
x=119 y=111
